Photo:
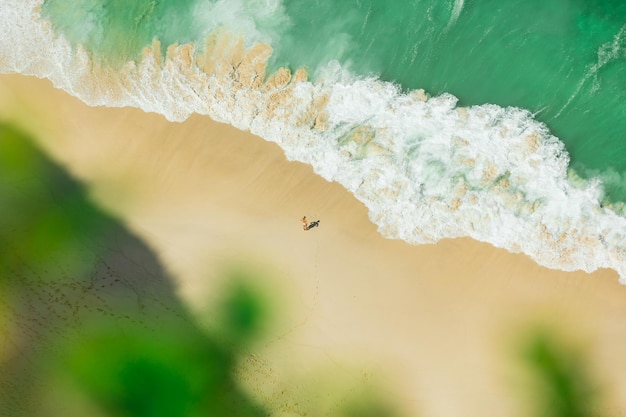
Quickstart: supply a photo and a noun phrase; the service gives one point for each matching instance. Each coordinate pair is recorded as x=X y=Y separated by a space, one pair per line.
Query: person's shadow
x=311 y=225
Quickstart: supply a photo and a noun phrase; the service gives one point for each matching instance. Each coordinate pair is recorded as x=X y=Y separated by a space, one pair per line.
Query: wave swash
x=426 y=168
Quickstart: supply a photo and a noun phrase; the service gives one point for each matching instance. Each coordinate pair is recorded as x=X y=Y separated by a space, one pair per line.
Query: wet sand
x=434 y=327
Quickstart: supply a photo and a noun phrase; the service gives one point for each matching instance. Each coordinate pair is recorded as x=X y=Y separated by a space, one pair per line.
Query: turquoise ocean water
x=564 y=60
x=518 y=140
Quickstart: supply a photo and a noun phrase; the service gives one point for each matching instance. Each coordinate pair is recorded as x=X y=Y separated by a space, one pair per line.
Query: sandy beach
x=433 y=327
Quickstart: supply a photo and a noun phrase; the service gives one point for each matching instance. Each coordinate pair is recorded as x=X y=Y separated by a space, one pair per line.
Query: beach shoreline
x=426 y=166
x=432 y=321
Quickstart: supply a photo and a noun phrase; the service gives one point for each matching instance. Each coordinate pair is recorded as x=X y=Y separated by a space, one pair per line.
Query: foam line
x=456 y=12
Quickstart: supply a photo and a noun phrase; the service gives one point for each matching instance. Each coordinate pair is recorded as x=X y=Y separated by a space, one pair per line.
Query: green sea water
x=563 y=60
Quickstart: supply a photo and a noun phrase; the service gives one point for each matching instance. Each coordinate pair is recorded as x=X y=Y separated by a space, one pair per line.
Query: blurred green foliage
x=243 y=312
x=44 y=217
x=561 y=384
x=133 y=370
x=86 y=303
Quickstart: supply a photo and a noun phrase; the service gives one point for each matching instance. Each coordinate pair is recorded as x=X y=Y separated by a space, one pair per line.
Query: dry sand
x=432 y=327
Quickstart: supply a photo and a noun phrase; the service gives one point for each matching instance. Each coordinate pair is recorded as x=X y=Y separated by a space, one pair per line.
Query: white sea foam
x=255 y=20
x=426 y=168
x=456 y=12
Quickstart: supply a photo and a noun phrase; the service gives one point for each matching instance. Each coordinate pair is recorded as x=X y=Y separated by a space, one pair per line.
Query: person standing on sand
x=304 y=223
